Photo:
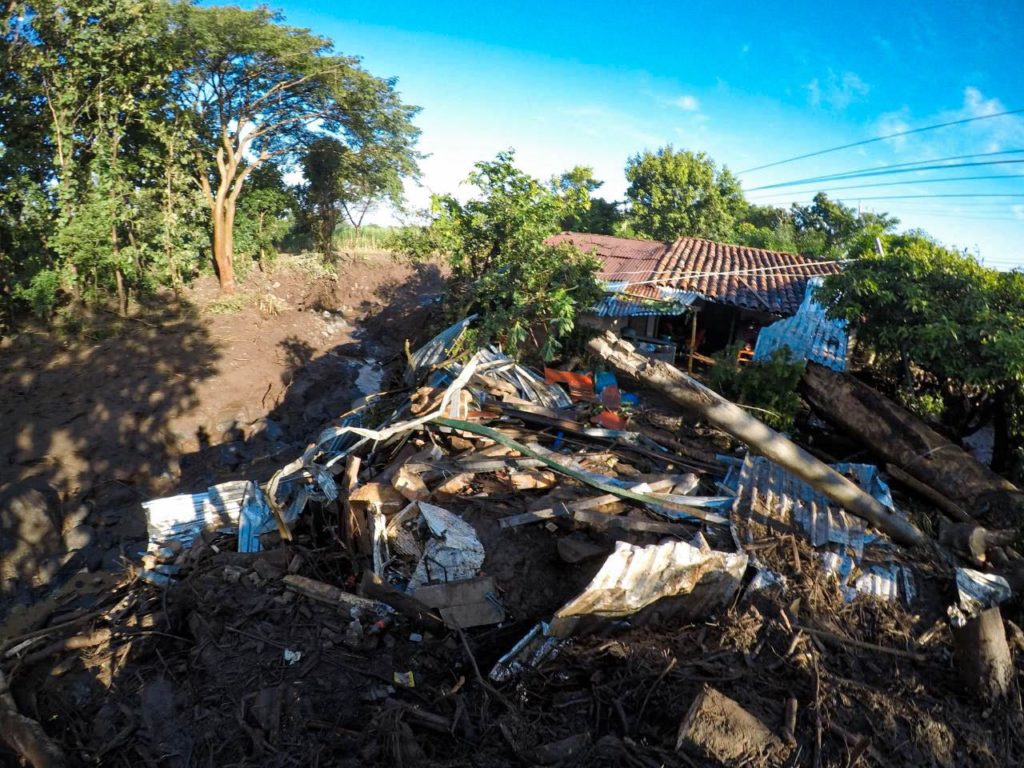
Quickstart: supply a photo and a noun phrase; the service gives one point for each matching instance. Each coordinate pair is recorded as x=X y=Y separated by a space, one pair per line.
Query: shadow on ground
x=72 y=476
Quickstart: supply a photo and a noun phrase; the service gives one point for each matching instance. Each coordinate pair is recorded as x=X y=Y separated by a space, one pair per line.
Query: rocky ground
x=187 y=391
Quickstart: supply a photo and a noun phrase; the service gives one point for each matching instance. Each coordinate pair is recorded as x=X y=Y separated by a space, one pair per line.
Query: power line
x=911 y=181
x=929 y=160
x=922 y=197
x=884 y=172
x=882 y=138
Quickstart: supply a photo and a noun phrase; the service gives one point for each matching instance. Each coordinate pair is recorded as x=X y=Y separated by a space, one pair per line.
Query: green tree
x=527 y=293
x=258 y=90
x=600 y=216
x=937 y=312
x=767 y=227
x=344 y=182
x=674 y=193
x=828 y=228
x=265 y=215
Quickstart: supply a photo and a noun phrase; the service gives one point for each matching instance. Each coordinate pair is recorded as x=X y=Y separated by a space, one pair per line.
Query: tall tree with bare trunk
x=259 y=90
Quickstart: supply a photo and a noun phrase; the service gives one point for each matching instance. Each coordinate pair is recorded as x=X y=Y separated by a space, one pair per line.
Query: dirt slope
x=176 y=398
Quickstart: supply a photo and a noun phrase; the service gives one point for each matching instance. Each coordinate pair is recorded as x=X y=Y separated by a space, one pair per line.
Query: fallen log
x=901 y=438
x=983 y=655
x=945 y=505
x=758 y=436
x=24 y=735
x=972 y=541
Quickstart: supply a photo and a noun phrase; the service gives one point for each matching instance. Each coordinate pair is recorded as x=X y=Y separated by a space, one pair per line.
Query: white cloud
x=893 y=122
x=687 y=102
x=1018 y=212
x=838 y=91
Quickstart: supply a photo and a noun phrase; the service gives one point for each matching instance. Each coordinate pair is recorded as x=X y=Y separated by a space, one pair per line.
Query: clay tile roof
x=769 y=281
x=622 y=259
x=753 y=278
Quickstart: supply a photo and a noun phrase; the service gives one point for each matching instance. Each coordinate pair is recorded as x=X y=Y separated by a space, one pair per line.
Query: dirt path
x=185 y=393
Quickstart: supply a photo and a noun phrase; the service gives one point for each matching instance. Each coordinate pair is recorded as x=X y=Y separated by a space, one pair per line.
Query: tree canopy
x=674 y=193
x=258 y=90
x=950 y=326
x=129 y=133
x=527 y=293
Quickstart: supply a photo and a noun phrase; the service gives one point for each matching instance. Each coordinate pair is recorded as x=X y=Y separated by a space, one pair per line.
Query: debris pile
x=494 y=566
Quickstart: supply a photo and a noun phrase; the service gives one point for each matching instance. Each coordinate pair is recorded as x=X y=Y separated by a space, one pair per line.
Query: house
x=694 y=294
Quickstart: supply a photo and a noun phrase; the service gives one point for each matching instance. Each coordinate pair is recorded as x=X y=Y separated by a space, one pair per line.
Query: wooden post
x=693 y=339
x=983 y=655
x=735 y=421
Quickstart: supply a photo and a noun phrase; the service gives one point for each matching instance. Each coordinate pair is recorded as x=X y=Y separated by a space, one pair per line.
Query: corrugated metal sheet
x=753 y=278
x=184 y=517
x=809 y=335
x=619 y=303
x=634 y=578
x=770 y=501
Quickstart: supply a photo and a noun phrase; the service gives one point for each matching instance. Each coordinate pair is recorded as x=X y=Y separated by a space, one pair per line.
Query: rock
x=232 y=454
x=79 y=537
x=268 y=429
x=30 y=536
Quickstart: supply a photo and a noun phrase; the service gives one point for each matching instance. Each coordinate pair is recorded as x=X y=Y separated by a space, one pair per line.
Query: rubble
x=467 y=572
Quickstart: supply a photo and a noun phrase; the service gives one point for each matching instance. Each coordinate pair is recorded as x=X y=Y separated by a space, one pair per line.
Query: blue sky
x=593 y=83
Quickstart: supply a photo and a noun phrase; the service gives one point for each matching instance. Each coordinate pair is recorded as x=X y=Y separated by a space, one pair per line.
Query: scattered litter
x=182 y=518
x=292 y=657
x=977 y=592
x=634 y=578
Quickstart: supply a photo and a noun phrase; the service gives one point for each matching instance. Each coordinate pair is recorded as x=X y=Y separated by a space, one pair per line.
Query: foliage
x=259 y=90
x=835 y=229
x=769 y=386
x=825 y=228
x=940 y=313
x=526 y=293
x=600 y=216
x=674 y=193
x=265 y=215
x=128 y=131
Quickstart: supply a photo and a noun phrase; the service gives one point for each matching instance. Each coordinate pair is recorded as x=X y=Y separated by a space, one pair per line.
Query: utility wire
x=922 y=129
x=930 y=196
x=883 y=172
x=921 y=162
x=900 y=183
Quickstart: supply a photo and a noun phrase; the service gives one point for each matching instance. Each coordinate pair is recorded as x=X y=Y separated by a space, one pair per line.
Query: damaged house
x=690 y=298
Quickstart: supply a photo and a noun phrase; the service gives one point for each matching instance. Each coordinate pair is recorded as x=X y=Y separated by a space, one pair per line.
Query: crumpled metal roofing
x=809 y=335
x=618 y=303
x=769 y=497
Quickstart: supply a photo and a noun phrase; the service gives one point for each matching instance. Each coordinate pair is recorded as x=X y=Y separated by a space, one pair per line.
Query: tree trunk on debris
x=906 y=441
x=759 y=437
x=24 y=735
x=983 y=655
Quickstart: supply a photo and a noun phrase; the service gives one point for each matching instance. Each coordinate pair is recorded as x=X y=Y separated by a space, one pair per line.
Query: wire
x=668 y=274
x=911 y=181
x=882 y=138
x=929 y=160
x=883 y=172
x=920 y=197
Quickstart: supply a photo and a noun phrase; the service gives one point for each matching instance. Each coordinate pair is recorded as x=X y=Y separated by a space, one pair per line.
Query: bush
x=768 y=386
